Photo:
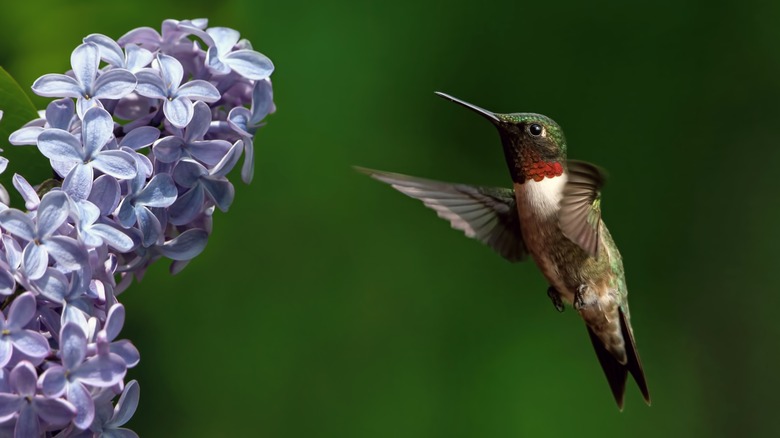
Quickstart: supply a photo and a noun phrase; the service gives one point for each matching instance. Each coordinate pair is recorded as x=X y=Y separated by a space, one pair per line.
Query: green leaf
x=27 y=161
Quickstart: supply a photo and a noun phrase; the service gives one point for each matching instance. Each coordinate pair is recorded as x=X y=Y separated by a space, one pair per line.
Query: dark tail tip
x=634 y=364
x=615 y=372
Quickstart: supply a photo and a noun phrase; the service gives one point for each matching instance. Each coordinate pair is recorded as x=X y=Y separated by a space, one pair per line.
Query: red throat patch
x=540 y=170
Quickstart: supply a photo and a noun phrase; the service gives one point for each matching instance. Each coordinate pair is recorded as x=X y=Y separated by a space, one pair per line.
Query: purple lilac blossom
x=141 y=142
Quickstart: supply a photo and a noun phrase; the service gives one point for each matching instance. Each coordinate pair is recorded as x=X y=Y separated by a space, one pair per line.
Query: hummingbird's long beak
x=485 y=113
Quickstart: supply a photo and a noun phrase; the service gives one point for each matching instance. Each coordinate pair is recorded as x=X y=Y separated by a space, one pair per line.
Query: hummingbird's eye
x=535 y=129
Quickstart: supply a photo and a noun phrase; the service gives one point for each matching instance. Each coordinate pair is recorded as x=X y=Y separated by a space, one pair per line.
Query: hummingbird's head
x=534 y=145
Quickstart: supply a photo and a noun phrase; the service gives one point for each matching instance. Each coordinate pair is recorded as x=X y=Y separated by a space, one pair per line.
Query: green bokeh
x=328 y=305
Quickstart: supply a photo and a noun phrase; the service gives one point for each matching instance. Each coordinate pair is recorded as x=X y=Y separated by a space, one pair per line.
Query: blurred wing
x=580 y=215
x=485 y=214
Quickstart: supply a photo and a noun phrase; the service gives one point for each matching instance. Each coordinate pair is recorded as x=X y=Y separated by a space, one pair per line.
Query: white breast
x=538 y=204
x=543 y=197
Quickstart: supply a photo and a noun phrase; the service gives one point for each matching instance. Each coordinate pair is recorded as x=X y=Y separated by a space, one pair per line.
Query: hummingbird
x=552 y=214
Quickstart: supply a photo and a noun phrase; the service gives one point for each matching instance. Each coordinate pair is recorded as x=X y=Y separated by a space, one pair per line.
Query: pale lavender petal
x=73 y=345
x=53 y=285
x=82 y=401
x=24 y=136
x=199 y=90
x=168 y=149
x=61 y=168
x=52 y=212
x=84 y=60
x=214 y=62
x=187 y=206
x=209 y=152
x=30 y=343
x=66 y=252
x=13 y=252
x=149 y=225
x=88 y=213
x=5 y=198
x=27 y=191
x=59 y=113
x=57 y=85
x=114 y=84
x=78 y=182
x=7 y=283
x=118 y=164
x=224 y=38
x=6 y=348
x=113 y=237
x=178 y=111
x=188 y=172
x=10 y=405
x=195 y=27
x=90 y=239
x=101 y=371
x=199 y=125
x=171 y=71
x=126 y=406
x=55 y=411
x=248 y=168
x=17 y=223
x=105 y=194
x=71 y=313
x=53 y=382
x=262 y=101
x=238 y=120
x=58 y=145
x=84 y=104
x=126 y=214
x=249 y=64
x=141 y=137
x=96 y=129
x=186 y=245
x=229 y=160
x=27 y=423
x=23 y=378
x=145 y=36
x=109 y=49
x=137 y=57
x=142 y=162
x=22 y=310
x=35 y=259
x=114 y=321
x=150 y=84
x=159 y=192
x=127 y=351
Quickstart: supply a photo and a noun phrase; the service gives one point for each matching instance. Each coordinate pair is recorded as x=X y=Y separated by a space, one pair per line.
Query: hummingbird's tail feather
x=634 y=364
x=617 y=373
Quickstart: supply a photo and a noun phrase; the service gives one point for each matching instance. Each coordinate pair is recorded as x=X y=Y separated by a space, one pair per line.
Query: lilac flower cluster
x=141 y=141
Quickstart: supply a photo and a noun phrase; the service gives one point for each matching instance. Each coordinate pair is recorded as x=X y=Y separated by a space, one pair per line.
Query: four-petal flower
x=13 y=335
x=87 y=86
x=223 y=59
x=76 y=158
x=31 y=407
x=164 y=83
x=41 y=238
x=74 y=377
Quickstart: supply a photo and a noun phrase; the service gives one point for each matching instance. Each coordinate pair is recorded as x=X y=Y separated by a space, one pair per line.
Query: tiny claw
x=555 y=296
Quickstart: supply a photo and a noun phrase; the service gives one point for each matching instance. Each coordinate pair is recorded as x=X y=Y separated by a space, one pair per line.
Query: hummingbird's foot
x=579 y=297
x=555 y=296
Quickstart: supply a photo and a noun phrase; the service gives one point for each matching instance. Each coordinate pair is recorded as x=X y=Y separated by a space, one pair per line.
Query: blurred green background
x=328 y=305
